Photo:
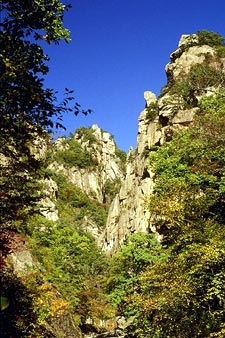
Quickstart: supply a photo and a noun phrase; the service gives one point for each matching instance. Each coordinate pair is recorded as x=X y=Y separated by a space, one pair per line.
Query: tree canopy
x=27 y=113
x=28 y=110
x=184 y=296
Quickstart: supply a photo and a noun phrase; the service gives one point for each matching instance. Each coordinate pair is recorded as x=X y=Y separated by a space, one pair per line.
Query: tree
x=27 y=108
x=27 y=112
x=184 y=297
x=139 y=252
x=210 y=38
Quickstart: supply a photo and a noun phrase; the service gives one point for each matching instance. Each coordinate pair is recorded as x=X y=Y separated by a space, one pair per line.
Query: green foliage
x=74 y=201
x=111 y=188
x=69 y=256
x=200 y=77
x=210 y=38
x=214 y=104
x=174 y=288
x=121 y=154
x=87 y=134
x=140 y=251
x=192 y=165
x=27 y=108
x=74 y=156
x=29 y=111
x=152 y=111
x=220 y=51
x=35 y=17
x=184 y=296
x=178 y=293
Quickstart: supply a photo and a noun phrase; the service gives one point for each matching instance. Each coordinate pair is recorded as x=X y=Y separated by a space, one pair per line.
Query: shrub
x=87 y=134
x=200 y=77
x=79 y=203
x=74 y=156
x=152 y=111
x=210 y=38
x=111 y=188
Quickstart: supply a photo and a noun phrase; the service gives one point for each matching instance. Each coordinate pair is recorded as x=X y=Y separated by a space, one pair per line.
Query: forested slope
x=159 y=214
x=177 y=289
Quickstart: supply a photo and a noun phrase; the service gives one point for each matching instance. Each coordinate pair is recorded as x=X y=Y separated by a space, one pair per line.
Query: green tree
x=184 y=297
x=140 y=251
x=26 y=107
x=71 y=262
x=27 y=112
x=210 y=38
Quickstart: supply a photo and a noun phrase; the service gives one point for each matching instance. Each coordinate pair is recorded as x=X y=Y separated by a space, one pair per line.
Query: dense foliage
x=28 y=109
x=175 y=288
x=140 y=251
x=69 y=256
x=180 y=293
x=27 y=112
x=184 y=296
x=210 y=38
x=80 y=205
x=74 y=155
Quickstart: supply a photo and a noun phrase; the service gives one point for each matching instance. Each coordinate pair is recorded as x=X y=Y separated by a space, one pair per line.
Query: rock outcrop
x=48 y=202
x=159 y=120
x=127 y=212
x=108 y=166
x=157 y=123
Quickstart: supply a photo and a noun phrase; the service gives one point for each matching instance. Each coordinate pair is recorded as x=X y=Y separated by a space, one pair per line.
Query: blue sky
x=119 y=49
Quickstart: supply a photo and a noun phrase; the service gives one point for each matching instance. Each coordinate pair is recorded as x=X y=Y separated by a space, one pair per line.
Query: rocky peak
x=103 y=148
x=183 y=63
x=127 y=212
x=188 y=53
x=148 y=133
x=188 y=40
x=106 y=163
x=157 y=124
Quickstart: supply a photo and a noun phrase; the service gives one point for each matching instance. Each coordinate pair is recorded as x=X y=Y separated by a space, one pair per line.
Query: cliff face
x=106 y=164
x=91 y=177
x=127 y=213
x=91 y=163
x=157 y=123
x=175 y=109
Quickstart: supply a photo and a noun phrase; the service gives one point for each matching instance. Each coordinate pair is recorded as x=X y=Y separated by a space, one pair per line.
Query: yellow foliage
x=58 y=307
x=49 y=303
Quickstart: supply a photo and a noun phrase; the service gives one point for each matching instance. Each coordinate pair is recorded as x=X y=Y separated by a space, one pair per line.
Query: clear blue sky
x=119 y=49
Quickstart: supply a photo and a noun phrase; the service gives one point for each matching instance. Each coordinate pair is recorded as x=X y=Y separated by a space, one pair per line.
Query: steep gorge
x=157 y=124
x=95 y=197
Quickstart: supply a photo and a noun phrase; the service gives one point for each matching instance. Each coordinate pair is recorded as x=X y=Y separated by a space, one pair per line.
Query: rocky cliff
x=173 y=110
x=105 y=164
x=90 y=161
x=87 y=178
x=194 y=70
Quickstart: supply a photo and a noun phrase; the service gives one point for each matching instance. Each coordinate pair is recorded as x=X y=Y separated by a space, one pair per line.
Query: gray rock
x=149 y=98
x=128 y=213
x=185 y=116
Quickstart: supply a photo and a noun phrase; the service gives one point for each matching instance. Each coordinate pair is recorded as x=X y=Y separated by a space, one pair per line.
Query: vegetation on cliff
x=175 y=288
x=27 y=113
x=184 y=296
